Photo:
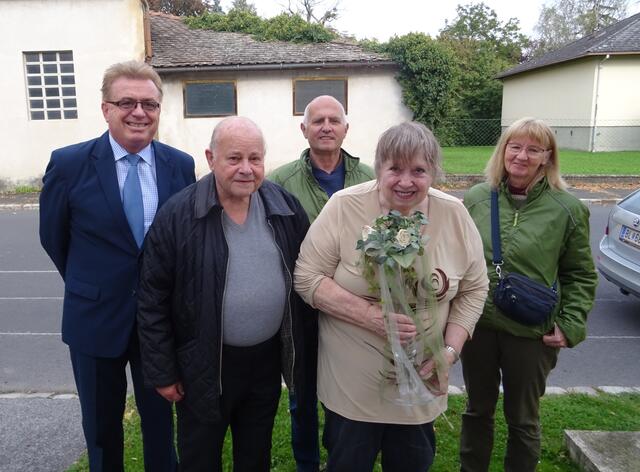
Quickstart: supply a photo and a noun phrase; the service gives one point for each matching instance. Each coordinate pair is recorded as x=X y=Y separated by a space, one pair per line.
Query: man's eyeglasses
x=533 y=152
x=130 y=104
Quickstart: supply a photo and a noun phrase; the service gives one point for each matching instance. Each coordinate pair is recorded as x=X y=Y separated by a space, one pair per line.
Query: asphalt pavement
x=40 y=422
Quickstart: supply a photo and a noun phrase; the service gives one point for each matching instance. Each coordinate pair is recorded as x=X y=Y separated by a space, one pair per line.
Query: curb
x=19 y=206
x=590 y=391
x=601 y=201
x=48 y=395
x=36 y=206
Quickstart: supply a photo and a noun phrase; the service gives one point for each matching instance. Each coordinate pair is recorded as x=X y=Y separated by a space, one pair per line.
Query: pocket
x=82 y=289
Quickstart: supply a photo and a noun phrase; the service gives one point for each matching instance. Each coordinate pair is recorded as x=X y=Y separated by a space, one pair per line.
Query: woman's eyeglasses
x=532 y=152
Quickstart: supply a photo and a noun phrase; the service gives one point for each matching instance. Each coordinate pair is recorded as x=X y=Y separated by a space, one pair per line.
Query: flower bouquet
x=395 y=264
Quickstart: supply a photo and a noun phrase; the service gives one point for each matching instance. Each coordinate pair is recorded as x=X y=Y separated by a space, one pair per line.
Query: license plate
x=630 y=236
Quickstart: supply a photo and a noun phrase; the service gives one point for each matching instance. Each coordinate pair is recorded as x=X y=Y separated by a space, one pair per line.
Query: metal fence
x=477 y=132
x=605 y=135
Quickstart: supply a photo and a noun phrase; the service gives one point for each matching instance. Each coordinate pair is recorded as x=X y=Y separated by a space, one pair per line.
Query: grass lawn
x=559 y=412
x=472 y=160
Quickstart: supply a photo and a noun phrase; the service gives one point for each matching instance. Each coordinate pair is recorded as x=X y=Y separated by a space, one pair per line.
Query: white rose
x=403 y=238
x=366 y=231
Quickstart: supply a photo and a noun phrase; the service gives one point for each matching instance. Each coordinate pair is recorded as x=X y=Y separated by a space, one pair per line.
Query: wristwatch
x=456 y=356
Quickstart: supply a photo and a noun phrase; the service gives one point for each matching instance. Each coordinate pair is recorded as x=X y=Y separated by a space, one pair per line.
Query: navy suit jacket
x=84 y=230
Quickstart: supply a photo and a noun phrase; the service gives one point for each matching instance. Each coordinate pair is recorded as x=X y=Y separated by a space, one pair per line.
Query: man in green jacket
x=323 y=169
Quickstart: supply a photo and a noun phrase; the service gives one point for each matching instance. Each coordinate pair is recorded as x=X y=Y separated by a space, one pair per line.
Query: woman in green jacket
x=544 y=233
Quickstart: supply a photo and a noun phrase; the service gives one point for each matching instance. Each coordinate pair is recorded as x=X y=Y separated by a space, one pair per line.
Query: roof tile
x=176 y=46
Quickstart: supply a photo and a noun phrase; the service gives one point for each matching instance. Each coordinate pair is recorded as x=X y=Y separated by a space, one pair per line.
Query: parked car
x=619 y=255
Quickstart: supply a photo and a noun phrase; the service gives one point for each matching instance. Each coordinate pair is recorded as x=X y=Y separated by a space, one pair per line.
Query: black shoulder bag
x=523 y=300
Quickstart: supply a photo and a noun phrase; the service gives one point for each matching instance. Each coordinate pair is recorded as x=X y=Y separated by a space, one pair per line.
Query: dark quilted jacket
x=181 y=293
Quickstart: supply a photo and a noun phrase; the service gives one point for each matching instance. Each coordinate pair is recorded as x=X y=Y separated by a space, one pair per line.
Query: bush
x=284 y=27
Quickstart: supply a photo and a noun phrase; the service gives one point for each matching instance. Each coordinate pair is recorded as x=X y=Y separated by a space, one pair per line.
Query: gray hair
x=402 y=143
x=233 y=121
x=305 y=118
x=534 y=129
x=136 y=70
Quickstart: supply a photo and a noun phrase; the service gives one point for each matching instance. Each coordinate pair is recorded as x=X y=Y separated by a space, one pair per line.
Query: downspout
x=146 y=28
x=595 y=108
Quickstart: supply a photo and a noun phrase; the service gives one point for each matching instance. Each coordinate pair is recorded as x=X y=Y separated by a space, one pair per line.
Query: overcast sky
x=383 y=18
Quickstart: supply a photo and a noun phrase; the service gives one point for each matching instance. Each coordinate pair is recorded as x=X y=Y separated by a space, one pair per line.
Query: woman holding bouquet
x=445 y=283
x=544 y=234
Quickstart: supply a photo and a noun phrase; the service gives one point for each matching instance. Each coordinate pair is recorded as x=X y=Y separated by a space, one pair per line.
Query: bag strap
x=495 y=238
x=495 y=233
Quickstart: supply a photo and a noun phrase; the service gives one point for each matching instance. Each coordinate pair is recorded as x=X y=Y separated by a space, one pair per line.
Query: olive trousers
x=522 y=365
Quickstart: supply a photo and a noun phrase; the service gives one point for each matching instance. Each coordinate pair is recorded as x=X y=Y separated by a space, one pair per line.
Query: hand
x=171 y=393
x=436 y=385
x=555 y=338
x=406 y=330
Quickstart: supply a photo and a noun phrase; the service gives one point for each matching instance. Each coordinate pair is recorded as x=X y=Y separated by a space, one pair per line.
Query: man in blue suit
x=97 y=202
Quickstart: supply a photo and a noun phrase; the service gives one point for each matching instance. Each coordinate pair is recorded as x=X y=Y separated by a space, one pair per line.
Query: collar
x=350 y=162
x=206 y=198
x=146 y=153
x=533 y=193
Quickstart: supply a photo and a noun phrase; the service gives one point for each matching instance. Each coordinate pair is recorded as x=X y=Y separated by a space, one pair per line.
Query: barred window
x=51 y=85
x=305 y=90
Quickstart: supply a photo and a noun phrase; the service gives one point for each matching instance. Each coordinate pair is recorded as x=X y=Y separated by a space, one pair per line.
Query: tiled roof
x=176 y=47
x=622 y=37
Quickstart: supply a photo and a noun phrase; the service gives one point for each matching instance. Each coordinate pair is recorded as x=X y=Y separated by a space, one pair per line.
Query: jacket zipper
x=515 y=219
x=224 y=294
x=290 y=284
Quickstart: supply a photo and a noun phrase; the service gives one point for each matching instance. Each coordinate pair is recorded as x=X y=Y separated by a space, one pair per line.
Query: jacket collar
x=535 y=191
x=206 y=198
x=350 y=162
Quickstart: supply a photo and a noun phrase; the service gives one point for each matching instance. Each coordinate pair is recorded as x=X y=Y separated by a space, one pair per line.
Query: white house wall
x=617 y=122
x=99 y=32
x=592 y=103
x=561 y=95
x=374 y=104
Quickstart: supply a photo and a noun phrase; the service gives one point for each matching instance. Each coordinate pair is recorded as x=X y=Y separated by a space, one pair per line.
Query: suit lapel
x=164 y=173
x=106 y=170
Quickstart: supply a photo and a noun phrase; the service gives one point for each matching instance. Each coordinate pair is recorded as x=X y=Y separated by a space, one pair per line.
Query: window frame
x=44 y=86
x=185 y=85
x=319 y=79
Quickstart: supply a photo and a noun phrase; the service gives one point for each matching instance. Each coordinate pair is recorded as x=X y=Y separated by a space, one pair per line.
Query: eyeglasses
x=532 y=152
x=130 y=104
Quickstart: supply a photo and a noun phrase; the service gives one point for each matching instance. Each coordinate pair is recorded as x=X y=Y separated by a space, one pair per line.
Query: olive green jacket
x=297 y=178
x=546 y=239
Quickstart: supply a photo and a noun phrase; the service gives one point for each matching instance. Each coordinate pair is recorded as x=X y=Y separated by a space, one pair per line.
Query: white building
x=587 y=91
x=53 y=54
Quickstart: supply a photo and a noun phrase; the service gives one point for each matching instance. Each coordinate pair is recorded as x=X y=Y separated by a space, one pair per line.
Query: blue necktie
x=132 y=199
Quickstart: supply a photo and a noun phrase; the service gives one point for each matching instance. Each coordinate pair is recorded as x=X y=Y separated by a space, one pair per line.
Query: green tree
x=290 y=27
x=283 y=27
x=565 y=21
x=427 y=77
x=183 y=7
x=478 y=24
x=483 y=46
